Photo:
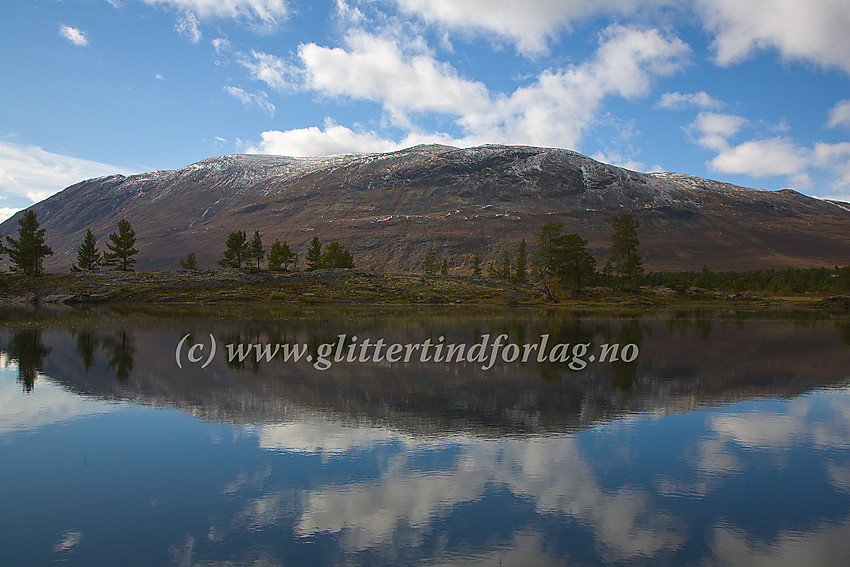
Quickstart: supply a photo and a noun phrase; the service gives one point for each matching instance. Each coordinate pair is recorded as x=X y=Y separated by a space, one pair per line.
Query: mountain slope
x=390 y=208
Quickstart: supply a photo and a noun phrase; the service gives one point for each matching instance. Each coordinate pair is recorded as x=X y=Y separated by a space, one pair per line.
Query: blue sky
x=753 y=92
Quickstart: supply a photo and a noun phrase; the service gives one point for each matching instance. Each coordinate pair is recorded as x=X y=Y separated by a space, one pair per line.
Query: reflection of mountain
x=683 y=363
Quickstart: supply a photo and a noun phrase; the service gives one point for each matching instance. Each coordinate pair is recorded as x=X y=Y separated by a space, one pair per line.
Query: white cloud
x=259 y=99
x=313 y=141
x=31 y=172
x=614 y=158
x=263 y=15
x=220 y=45
x=75 y=36
x=561 y=105
x=272 y=70
x=528 y=24
x=713 y=129
x=779 y=155
x=553 y=110
x=376 y=69
x=189 y=27
x=836 y=157
x=762 y=158
x=7 y=212
x=839 y=115
x=814 y=31
x=699 y=99
x=334 y=139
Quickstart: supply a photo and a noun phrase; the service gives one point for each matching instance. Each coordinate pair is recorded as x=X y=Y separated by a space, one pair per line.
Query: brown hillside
x=390 y=208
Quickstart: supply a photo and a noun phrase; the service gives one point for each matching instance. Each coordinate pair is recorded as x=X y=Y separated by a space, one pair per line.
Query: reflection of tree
x=623 y=373
x=26 y=350
x=845 y=333
x=704 y=326
x=570 y=331
x=238 y=339
x=120 y=351
x=87 y=342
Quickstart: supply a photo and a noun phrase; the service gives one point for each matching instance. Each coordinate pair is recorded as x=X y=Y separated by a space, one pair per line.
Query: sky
x=751 y=92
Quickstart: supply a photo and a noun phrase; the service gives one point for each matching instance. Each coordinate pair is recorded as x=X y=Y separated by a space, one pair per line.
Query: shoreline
x=357 y=286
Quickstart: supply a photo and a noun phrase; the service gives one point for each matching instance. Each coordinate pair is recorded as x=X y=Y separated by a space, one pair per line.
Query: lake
x=494 y=436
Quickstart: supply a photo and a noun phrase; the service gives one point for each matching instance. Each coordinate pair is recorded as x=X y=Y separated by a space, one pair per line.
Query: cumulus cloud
x=553 y=110
x=75 y=36
x=762 y=158
x=374 y=68
x=314 y=141
x=529 y=24
x=839 y=115
x=272 y=70
x=699 y=99
x=814 y=31
x=777 y=155
x=758 y=158
x=262 y=15
x=713 y=129
x=259 y=99
x=31 y=172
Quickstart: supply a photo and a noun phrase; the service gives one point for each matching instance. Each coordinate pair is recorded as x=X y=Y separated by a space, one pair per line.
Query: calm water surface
x=725 y=442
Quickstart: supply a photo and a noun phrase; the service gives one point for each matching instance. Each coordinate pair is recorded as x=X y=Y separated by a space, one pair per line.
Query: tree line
x=28 y=251
x=280 y=256
x=562 y=263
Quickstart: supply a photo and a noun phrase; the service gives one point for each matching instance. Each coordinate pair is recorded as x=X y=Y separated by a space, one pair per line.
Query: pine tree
x=89 y=257
x=121 y=250
x=444 y=266
x=624 y=260
x=27 y=252
x=505 y=271
x=430 y=263
x=563 y=258
x=235 y=250
x=190 y=262
x=280 y=255
x=255 y=249
x=314 y=255
x=520 y=270
x=476 y=265
x=336 y=256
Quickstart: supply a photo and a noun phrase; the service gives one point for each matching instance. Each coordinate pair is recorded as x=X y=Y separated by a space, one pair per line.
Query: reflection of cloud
x=410 y=500
x=554 y=474
x=370 y=513
x=320 y=437
x=68 y=541
x=839 y=476
x=714 y=457
x=761 y=430
x=47 y=404
x=821 y=418
x=550 y=472
x=826 y=545
x=526 y=548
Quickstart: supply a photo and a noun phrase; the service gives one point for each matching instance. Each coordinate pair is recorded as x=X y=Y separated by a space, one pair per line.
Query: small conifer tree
x=89 y=257
x=121 y=247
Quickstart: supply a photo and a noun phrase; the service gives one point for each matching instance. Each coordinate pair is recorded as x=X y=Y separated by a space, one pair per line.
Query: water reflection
x=27 y=352
x=726 y=442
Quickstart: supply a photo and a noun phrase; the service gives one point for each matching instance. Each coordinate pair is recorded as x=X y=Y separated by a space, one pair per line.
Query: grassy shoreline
x=359 y=287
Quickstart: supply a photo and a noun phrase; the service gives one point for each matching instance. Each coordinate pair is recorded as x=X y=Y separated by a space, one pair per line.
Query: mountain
x=390 y=208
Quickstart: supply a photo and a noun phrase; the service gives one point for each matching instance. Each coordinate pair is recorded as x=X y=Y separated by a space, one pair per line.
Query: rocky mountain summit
x=390 y=208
